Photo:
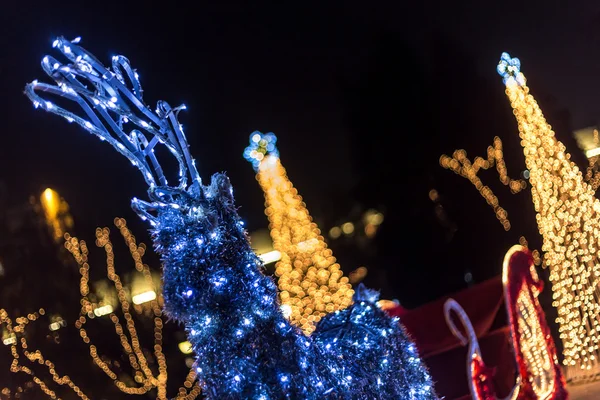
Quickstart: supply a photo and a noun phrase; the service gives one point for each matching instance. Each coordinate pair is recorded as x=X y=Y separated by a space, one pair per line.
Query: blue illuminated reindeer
x=212 y=280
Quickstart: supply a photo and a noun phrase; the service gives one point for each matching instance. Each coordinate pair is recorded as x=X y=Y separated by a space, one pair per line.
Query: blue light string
x=509 y=68
x=107 y=95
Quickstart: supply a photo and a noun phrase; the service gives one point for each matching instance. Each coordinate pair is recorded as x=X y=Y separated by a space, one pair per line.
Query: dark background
x=363 y=97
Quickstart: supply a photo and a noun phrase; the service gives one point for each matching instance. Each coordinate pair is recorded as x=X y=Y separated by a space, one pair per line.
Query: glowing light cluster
x=568 y=217
x=21 y=351
x=460 y=164
x=309 y=278
x=130 y=342
x=371 y=221
x=213 y=284
x=592 y=174
x=56 y=213
x=15 y=335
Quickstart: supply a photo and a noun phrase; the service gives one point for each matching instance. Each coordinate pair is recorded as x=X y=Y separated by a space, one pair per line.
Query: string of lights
x=592 y=173
x=310 y=280
x=212 y=282
x=128 y=335
x=131 y=344
x=460 y=164
x=568 y=216
x=19 y=347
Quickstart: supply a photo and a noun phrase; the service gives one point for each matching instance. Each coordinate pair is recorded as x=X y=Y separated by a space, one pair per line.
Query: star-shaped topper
x=510 y=69
x=260 y=146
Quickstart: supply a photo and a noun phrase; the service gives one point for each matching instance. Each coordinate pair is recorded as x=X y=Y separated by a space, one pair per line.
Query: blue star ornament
x=509 y=69
x=261 y=145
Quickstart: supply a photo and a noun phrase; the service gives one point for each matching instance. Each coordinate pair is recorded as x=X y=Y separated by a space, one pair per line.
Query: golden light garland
x=19 y=347
x=568 y=217
x=310 y=280
x=128 y=335
x=460 y=164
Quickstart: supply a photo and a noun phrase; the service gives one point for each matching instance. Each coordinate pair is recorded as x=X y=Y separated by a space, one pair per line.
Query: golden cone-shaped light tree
x=568 y=218
x=311 y=283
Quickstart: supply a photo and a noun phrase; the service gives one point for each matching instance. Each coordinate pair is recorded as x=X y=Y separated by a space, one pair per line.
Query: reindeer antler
x=117 y=114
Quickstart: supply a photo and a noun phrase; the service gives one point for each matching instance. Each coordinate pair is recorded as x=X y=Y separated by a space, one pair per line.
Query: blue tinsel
x=213 y=281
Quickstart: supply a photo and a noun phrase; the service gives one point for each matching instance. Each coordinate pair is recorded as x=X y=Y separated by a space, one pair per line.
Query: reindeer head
x=190 y=221
x=114 y=110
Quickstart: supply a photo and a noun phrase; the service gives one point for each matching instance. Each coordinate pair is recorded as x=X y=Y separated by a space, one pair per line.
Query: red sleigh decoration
x=540 y=376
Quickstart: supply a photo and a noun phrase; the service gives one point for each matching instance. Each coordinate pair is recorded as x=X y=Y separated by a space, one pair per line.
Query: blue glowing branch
x=510 y=70
x=212 y=279
x=116 y=113
x=261 y=145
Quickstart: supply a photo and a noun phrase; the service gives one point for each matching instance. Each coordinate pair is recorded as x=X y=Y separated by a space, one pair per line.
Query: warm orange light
x=147 y=302
x=460 y=164
x=147 y=377
x=56 y=213
x=311 y=282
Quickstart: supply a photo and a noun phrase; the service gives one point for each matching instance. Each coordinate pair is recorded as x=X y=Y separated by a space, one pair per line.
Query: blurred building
x=352 y=237
x=588 y=141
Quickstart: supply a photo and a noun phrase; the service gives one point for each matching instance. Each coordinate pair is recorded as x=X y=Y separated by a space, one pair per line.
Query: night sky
x=364 y=97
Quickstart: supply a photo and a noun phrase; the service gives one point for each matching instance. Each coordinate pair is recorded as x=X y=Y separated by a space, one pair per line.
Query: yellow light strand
x=34 y=356
x=568 y=217
x=460 y=164
x=142 y=373
x=130 y=343
x=310 y=280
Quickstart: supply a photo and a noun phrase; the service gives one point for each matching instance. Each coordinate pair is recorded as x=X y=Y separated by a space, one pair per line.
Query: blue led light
x=212 y=279
x=116 y=112
x=509 y=69
x=261 y=145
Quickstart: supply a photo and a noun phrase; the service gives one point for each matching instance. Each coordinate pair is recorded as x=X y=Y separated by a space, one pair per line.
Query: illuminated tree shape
x=310 y=280
x=568 y=217
x=592 y=174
